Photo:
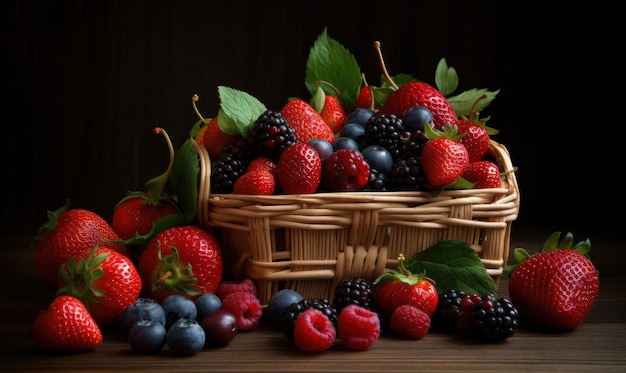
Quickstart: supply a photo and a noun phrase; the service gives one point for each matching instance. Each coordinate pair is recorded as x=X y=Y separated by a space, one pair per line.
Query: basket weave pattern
x=310 y=242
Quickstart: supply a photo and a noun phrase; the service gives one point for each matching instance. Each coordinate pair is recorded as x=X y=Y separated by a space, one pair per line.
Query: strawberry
x=136 y=213
x=420 y=93
x=556 y=287
x=395 y=288
x=255 y=182
x=104 y=280
x=68 y=233
x=333 y=113
x=443 y=157
x=299 y=169
x=306 y=122
x=263 y=164
x=66 y=326
x=485 y=174
x=364 y=99
x=477 y=133
x=184 y=260
x=215 y=139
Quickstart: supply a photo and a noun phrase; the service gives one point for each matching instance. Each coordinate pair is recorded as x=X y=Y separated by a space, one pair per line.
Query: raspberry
x=410 y=321
x=313 y=331
x=292 y=312
x=345 y=170
x=227 y=287
x=359 y=328
x=246 y=307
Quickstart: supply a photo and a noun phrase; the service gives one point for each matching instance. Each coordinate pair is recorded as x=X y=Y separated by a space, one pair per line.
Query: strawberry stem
x=382 y=64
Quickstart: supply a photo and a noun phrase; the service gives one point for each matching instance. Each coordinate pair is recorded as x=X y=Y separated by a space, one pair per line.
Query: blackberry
x=241 y=149
x=487 y=318
x=448 y=310
x=385 y=130
x=271 y=134
x=411 y=144
x=224 y=172
x=377 y=181
x=295 y=309
x=356 y=291
x=407 y=174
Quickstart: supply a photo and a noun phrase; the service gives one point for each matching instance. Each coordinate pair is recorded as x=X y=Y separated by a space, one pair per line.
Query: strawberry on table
x=66 y=326
x=556 y=287
x=185 y=260
x=106 y=281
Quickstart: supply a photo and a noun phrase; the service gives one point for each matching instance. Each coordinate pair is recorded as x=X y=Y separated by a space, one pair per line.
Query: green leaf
x=453 y=264
x=331 y=62
x=446 y=78
x=184 y=181
x=238 y=111
x=463 y=102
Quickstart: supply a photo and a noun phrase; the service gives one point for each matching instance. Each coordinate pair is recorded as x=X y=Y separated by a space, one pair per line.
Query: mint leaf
x=446 y=78
x=462 y=103
x=238 y=111
x=453 y=264
x=331 y=62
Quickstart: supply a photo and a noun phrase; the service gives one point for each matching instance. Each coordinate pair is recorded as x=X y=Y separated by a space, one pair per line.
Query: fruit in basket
x=256 y=182
x=68 y=233
x=271 y=134
x=67 y=326
x=106 y=281
x=477 y=134
x=185 y=260
x=263 y=164
x=409 y=321
x=416 y=118
x=224 y=173
x=485 y=174
x=313 y=331
x=306 y=122
x=333 y=113
x=299 y=169
x=394 y=288
x=323 y=148
x=443 y=157
x=358 y=327
x=220 y=327
x=345 y=170
x=385 y=130
x=557 y=286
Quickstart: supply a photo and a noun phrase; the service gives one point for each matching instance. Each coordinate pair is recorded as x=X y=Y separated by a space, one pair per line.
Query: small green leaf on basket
x=238 y=110
x=453 y=264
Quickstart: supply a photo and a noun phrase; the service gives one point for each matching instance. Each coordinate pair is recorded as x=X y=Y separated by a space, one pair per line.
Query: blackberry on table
x=292 y=312
x=384 y=130
x=271 y=134
x=487 y=318
x=224 y=172
x=448 y=310
x=355 y=291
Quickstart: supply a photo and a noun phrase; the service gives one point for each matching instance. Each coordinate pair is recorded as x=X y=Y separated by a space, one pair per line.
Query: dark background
x=85 y=82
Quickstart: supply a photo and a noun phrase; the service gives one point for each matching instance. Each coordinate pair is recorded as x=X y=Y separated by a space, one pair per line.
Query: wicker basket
x=310 y=242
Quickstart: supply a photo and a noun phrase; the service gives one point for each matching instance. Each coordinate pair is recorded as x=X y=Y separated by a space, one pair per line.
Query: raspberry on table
x=313 y=331
x=246 y=307
x=227 y=287
x=292 y=312
x=359 y=327
x=409 y=321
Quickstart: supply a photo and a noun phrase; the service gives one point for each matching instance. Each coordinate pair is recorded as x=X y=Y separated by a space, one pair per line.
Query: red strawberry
x=476 y=139
x=184 y=260
x=420 y=93
x=485 y=174
x=67 y=234
x=66 y=326
x=215 y=139
x=556 y=287
x=264 y=164
x=255 y=182
x=299 y=169
x=365 y=98
x=443 y=161
x=104 y=280
x=395 y=288
x=333 y=113
x=307 y=123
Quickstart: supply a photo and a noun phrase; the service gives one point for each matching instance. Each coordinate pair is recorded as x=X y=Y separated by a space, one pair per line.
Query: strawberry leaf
x=238 y=111
x=331 y=62
x=452 y=264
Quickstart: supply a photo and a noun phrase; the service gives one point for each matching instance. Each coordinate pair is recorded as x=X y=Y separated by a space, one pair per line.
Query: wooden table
x=598 y=345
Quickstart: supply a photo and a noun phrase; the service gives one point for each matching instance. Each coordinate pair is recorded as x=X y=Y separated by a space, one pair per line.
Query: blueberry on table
x=147 y=336
x=178 y=307
x=142 y=308
x=185 y=337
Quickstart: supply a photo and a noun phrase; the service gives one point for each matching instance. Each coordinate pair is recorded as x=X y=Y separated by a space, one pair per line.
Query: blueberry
x=345 y=143
x=416 y=117
x=323 y=147
x=178 y=307
x=279 y=302
x=147 y=336
x=185 y=337
x=354 y=131
x=142 y=308
x=207 y=303
x=378 y=158
x=360 y=116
